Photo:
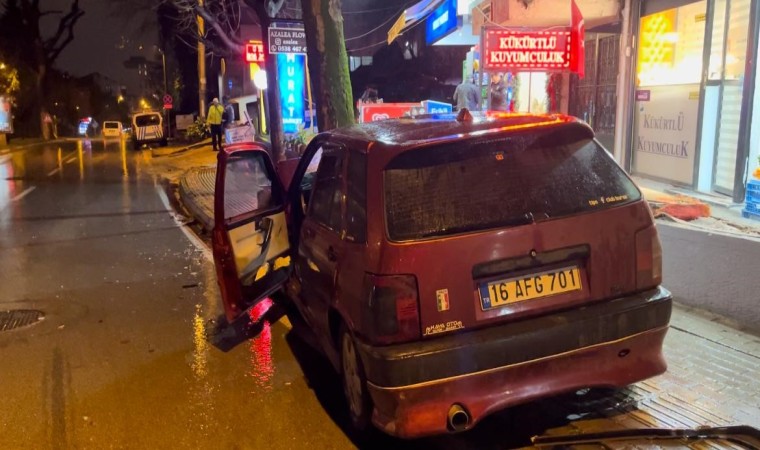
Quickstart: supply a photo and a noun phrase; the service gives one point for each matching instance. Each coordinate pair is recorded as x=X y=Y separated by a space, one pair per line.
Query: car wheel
x=354 y=383
x=135 y=145
x=164 y=143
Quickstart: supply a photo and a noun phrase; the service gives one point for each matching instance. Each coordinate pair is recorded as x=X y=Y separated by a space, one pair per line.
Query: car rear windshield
x=111 y=125
x=144 y=121
x=470 y=186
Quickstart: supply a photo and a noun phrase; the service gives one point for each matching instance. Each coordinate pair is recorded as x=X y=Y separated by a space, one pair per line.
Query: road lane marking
x=195 y=240
x=54 y=171
x=26 y=192
x=71 y=160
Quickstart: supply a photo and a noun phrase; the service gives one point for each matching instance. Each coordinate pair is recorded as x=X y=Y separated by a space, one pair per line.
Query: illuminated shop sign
x=254 y=52
x=6 y=124
x=527 y=51
x=441 y=22
x=291 y=77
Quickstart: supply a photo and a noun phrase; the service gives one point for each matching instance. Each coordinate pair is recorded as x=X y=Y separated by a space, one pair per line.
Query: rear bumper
x=151 y=140
x=610 y=344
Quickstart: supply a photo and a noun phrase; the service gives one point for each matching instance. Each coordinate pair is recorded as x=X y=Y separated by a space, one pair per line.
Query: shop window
x=670 y=46
x=717 y=44
x=736 y=42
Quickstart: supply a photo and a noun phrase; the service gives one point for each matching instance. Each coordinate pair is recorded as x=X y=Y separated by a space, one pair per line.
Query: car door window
x=326 y=201
x=356 y=198
x=247 y=186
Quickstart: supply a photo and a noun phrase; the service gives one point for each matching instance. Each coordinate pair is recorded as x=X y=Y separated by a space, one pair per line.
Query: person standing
x=214 y=120
x=497 y=93
x=229 y=112
x=466 y=95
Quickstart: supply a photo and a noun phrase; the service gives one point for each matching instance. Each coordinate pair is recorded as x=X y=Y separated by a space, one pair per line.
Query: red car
x=451 y=266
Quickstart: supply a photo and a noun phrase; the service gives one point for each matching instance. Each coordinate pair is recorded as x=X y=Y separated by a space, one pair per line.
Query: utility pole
x=276 y=131
x=201 y=65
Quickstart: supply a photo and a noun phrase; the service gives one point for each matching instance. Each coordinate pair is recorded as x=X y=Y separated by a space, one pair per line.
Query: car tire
x=164 y=143
x=354 y=382
x=135 y=145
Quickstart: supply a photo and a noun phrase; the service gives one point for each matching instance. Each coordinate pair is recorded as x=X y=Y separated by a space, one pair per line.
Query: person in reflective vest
x=214 y=120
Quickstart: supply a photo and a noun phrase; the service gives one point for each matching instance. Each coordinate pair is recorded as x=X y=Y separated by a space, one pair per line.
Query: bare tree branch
x=232 y=43
x=64 y=34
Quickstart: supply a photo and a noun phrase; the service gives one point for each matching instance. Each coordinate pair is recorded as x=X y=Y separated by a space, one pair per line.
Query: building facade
x=692 y=106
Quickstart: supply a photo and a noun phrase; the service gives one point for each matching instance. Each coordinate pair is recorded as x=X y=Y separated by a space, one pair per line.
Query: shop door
x=594 y=98
x=731 y=28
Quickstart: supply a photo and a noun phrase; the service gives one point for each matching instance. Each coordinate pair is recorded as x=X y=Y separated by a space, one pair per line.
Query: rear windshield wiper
x=744 y=435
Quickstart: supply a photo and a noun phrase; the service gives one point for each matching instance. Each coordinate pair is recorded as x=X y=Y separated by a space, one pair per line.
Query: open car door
x=250 y=237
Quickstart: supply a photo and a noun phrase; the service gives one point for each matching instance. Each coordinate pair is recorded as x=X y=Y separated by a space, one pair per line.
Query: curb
x=196 y=192
x=14 y=148
x=202 y=143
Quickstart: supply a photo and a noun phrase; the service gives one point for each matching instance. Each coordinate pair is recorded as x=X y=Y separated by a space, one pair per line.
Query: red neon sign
x=529 y=51
x=254 y=52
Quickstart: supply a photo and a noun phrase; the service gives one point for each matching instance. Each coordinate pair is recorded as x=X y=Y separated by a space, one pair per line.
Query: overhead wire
x=396 y=15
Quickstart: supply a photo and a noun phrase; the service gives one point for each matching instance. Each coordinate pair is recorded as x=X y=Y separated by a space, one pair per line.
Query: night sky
x=107 y=36
x=103 y=39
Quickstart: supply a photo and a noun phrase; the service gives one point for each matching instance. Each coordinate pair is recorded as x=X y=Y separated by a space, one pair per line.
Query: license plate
x=528 y=287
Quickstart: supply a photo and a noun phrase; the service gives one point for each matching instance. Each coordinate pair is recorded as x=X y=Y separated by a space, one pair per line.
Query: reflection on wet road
x=130 y=353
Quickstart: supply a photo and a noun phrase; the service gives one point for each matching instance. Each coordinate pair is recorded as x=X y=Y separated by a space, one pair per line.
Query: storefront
x=694 y=94
x=536 y=62
x=537 y=79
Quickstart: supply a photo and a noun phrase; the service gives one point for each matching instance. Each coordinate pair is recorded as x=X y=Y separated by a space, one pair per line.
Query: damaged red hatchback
x=451 y=268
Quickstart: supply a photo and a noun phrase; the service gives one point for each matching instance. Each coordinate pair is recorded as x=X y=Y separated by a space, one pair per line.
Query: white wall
x=557 y=12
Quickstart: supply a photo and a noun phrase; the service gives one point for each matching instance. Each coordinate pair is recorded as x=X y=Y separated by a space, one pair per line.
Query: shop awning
x=411 y=16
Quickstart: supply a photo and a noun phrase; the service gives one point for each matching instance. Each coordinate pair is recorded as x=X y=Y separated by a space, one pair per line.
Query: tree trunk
x=39 y=100
x=276 y=132
x=328 y=63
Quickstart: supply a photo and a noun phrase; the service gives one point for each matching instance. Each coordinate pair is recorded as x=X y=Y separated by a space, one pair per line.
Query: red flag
x=578 y=45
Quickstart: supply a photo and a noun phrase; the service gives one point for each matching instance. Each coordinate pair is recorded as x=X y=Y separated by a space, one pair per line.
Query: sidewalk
x=712 y=213
x=711 y=381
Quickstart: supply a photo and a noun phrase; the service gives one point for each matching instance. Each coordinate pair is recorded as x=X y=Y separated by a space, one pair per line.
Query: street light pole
x=167 y=113
x=163 y=61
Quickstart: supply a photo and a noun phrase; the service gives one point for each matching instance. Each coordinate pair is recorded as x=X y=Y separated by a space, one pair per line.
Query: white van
x=245 y=107
x=112 y=129
x=147 y=128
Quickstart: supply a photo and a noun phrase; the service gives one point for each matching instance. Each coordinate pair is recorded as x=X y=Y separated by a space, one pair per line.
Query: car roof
x=445 y=127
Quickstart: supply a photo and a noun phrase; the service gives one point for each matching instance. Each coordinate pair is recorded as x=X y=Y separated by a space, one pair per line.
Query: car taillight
x=391 y=313
x=648 y=258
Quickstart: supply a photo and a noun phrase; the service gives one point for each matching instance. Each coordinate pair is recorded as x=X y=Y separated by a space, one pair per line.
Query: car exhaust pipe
x=459 y=419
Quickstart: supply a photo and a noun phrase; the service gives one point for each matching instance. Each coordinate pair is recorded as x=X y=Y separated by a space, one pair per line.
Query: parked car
x=112 y=129
x=147 y=128
x=450 y=266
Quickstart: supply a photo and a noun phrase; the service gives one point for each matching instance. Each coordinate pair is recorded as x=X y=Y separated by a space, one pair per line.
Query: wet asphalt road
x=122 y=358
